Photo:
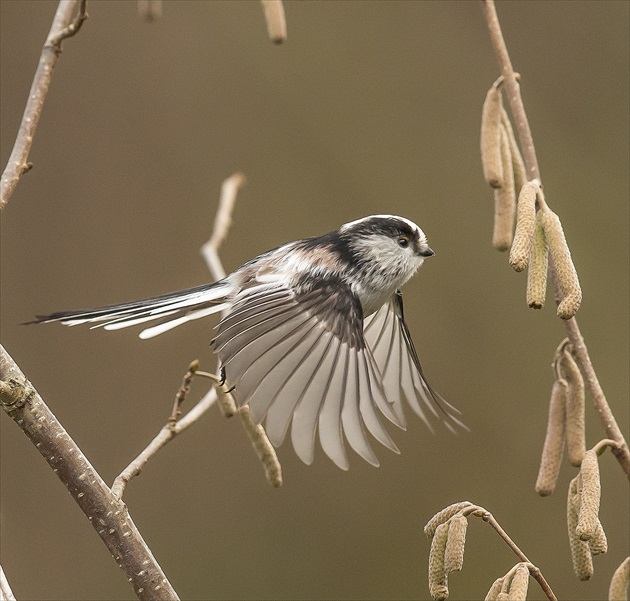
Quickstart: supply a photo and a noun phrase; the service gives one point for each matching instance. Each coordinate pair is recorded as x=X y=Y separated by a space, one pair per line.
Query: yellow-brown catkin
x=454 y=553
x=504 y=199
x=443 y=516
x=518 y=165
x=490 y=138
x=495 y=589
x=553 y=447
x=225 y=400
x=525 y=226
x=590 y=497
x=599 y=543
x=537 y=271
x=519 y=584
x=580 y=551
x=438 y=586
x=618 y=590
x=565 y=270
x=575 y=427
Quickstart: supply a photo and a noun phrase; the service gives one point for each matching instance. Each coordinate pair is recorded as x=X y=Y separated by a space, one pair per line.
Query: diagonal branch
x=63 y=27
x=107 y=514
x=582 y=358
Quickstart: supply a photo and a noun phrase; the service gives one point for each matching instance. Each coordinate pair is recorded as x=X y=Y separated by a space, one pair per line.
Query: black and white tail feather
x=314 y=339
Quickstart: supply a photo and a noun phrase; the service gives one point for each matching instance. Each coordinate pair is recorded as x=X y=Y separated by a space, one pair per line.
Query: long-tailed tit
x=314 y=335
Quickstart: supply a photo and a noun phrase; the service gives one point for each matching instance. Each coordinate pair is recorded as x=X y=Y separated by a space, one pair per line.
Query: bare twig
x=222 y=223
x=513 y=93
x=210 y=252
x=170 y=430
x=487 y=517
x=184 y=389
x=107 y=514
x=64 y=26
x=276 y=21
x=149 y=10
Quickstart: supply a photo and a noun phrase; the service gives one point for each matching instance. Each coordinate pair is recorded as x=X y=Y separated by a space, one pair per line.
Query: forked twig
x=170 y=430
x=64 y=26
x=174 y=425
x=582 y=358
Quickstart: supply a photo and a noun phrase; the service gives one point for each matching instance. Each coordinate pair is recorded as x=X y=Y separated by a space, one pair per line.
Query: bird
x=313 y=338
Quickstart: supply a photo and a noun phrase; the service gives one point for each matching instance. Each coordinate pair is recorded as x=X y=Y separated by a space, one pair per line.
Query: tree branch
x=107 y=514
x=582 y=358
x=63 y=27
x=487 y=517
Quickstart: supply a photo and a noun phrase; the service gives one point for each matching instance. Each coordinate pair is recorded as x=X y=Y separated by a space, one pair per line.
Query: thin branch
x=107 y=514
x=170 y=430
x=582 y=358
x=487 y=517
x=63 y=27
x=210 y=251
x=174 y=425
x=222 y=223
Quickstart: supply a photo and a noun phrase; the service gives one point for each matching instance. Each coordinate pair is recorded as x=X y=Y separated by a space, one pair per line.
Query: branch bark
x=107 y=514
x=523 y=131
x=63 y=26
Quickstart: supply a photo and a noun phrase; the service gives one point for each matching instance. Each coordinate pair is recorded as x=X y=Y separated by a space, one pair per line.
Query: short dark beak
x=427 y=252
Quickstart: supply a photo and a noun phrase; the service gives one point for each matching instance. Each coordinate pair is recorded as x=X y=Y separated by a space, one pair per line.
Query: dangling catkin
x=437 y=575
x=454 y=553
x=599 y=543
x=537 y=271
x=618 y=590
x=565 y=270
x=553 y=447
x=504 y=198
x=525 y=224
x=495 y=589
x=443 y=516
x=518 y=165
x=519 y=584
x=590 y=497
x=580 y=551
x=490 y=138
x=575 y=428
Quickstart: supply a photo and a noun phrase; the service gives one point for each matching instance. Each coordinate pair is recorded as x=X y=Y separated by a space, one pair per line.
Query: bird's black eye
x=403 y=241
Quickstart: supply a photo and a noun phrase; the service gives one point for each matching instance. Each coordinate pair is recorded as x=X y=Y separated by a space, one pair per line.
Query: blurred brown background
x=370 y=107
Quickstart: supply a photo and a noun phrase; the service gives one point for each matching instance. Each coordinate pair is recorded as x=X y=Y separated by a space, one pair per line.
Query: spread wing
x=387 y=335
x=298 y=358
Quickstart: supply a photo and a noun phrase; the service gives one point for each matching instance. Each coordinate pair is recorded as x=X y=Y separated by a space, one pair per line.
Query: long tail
x=178 y=307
